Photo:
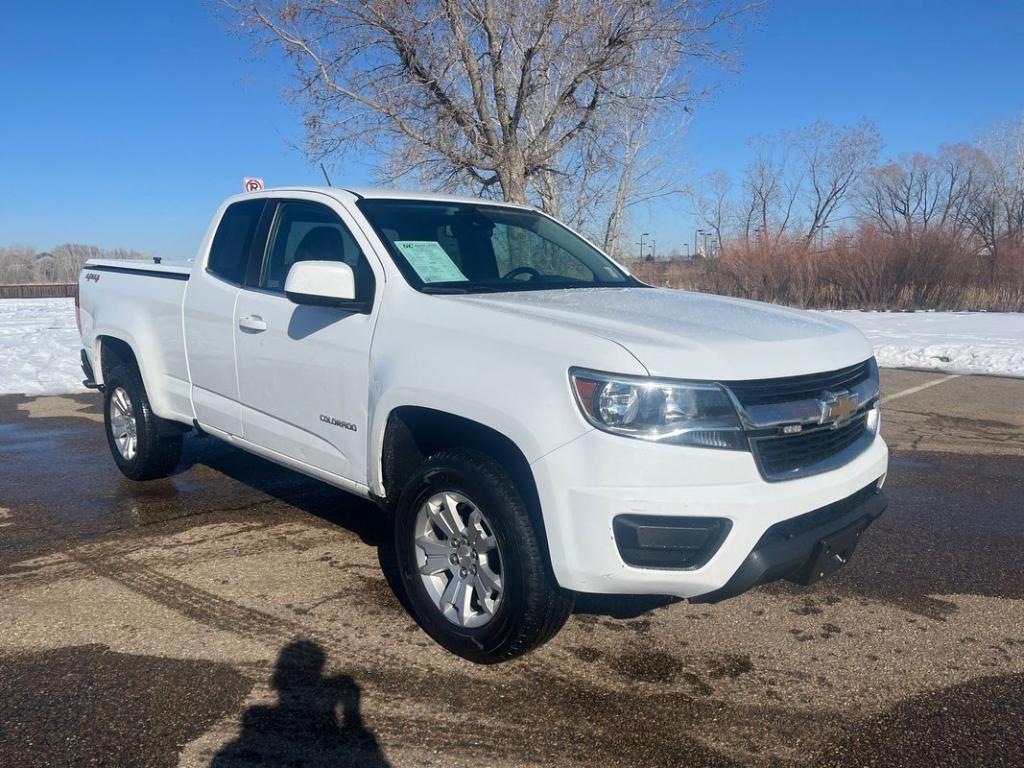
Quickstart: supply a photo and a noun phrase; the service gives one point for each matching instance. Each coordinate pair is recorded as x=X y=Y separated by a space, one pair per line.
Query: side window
x=309 y=232
x=229 y=253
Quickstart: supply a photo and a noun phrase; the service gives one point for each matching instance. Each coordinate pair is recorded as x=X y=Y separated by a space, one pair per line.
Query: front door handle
x=253 y=323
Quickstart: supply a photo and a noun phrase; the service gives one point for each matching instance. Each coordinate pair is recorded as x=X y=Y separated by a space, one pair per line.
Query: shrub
x=867 y=269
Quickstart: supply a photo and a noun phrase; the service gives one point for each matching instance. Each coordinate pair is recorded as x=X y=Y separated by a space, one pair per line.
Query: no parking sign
x=254 y=184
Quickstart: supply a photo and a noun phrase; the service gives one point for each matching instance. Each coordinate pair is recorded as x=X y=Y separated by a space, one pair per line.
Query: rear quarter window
x=232 y=244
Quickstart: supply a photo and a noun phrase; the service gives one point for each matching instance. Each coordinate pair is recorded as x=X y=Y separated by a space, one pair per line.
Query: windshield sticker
x=429 y=259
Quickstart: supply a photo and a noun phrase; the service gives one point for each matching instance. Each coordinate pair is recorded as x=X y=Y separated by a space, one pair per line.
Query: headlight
x=677 y=412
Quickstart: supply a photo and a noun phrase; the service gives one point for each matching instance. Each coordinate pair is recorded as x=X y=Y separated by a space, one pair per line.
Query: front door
x=303 y=371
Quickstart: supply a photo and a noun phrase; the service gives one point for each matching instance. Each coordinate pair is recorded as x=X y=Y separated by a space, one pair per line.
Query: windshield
x=445 y=247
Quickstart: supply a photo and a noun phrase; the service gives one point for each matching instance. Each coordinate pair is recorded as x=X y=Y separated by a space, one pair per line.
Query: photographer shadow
x=304 y=727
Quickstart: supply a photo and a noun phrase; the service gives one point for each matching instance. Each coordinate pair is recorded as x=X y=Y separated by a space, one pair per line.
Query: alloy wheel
x=123 y=424
x=459 y=560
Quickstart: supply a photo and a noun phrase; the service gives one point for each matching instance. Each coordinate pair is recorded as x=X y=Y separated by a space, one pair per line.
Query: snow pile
x=39 y=343
x=39 y=346
x=956 y=342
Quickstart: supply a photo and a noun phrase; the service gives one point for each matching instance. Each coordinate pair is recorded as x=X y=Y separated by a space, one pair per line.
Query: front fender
x=531 y=444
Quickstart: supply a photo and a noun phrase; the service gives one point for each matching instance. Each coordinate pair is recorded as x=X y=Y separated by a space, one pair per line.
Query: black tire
x=158 y=442
x=532 y=607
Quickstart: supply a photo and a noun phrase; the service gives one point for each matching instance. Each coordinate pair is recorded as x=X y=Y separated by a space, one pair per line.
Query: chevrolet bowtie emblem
x=837 y=407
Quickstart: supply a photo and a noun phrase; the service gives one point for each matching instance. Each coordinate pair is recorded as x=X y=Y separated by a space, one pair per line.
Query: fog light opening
x=655 y=541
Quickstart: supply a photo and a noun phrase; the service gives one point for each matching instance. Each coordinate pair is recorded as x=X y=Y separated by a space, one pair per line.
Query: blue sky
x=125 y=123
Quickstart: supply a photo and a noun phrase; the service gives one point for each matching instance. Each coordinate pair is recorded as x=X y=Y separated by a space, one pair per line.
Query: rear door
x=303 y=371
x=209 y=316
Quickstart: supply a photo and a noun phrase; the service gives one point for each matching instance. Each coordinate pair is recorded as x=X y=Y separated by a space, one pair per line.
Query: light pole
x=686 y=250
x=695 y=233
x=641 y=244
x=653 y=244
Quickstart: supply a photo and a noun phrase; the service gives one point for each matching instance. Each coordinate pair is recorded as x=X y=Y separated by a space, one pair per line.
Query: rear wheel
x=471 y=561
x=143 y=445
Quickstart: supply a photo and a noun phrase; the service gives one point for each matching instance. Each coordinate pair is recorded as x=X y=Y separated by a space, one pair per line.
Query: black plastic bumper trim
x=788 y=549
x=668 y=543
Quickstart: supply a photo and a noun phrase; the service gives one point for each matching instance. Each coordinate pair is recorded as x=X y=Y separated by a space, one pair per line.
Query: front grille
x=806 y=387
x=781 y=457
x=772 y=406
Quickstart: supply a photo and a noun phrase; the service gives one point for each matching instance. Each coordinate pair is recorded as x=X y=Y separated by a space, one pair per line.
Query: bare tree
x=997 y=211
x=637 y=161
x=901 y=197
x=503 y=98
x=797 y=182
x=964 y=169
x=616 y=168
x=770 y=190
x=918 y=192
x=714 y=207
x=18 y=264
x=833 y=159
x=25 y=264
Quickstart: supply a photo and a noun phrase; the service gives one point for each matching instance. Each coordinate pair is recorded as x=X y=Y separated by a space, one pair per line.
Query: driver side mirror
x=324 y=284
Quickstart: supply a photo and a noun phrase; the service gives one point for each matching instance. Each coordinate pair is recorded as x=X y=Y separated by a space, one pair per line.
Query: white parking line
x=916 y=389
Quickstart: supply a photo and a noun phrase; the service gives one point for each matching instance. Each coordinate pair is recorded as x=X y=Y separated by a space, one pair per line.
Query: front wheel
x=471 y=561
x=143 y=445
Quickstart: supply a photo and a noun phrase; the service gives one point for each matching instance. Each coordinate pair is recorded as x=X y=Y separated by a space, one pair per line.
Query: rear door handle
x=253 y=323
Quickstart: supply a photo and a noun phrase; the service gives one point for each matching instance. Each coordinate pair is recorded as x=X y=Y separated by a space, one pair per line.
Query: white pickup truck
x=537 y=421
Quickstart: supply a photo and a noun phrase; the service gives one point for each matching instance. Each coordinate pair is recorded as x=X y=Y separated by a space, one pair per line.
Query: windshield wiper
x=460 y=289
x=443 y=290
x=516 y=286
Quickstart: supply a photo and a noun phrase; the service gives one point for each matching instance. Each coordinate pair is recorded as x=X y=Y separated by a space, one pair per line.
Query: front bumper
x=585 y=485
x=808 y=547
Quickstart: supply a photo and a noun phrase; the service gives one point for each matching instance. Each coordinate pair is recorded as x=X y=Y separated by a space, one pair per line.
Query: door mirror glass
x=323 y=283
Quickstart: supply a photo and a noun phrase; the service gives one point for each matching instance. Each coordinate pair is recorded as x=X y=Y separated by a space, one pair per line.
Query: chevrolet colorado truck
x=535 y=421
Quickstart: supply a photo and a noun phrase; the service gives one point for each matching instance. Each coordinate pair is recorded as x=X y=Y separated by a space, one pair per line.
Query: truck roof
x=374 y=193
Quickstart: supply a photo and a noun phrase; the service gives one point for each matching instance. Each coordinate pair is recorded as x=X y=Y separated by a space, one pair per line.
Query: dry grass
x=868 y=270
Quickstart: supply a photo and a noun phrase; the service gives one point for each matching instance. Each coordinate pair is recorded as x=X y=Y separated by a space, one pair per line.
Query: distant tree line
x=816 y=220
x=21 y=264
x=824 y=181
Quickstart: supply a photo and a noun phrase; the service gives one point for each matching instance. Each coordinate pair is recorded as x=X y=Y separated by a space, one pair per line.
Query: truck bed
x=139 y=302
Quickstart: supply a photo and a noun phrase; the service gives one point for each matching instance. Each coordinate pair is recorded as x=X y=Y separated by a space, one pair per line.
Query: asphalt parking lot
x=240 y=614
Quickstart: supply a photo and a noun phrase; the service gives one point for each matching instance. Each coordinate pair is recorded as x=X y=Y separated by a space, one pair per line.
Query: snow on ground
x=39 y=347
x=956 y=342
x=39 y=343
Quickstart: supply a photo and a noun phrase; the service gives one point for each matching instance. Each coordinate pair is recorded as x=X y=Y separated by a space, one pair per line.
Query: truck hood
x=681 y=334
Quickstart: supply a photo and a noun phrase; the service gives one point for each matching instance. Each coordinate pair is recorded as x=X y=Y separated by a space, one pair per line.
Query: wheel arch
x=113 y=352
x=412 y=433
